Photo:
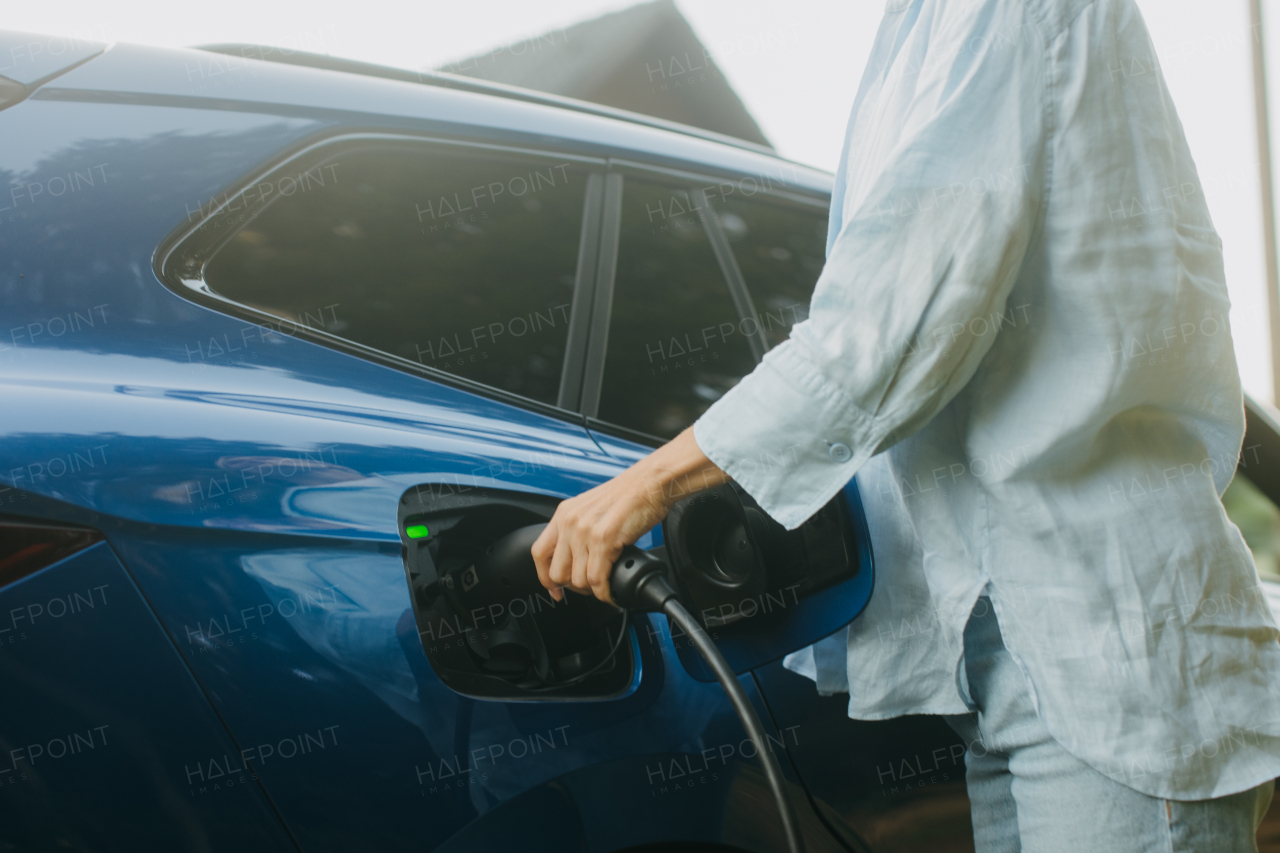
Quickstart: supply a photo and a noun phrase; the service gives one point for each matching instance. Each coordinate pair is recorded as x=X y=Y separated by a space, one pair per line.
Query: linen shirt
x=1020 y=344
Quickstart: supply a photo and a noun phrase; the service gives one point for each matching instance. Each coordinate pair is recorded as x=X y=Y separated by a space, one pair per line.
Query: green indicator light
x=417 y=531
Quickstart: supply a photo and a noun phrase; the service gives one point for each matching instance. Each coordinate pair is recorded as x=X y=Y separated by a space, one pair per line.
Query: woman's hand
x=588 y=532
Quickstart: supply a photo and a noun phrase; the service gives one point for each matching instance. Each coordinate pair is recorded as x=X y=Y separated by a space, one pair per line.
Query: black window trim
x=694 y=183
x=602 y=302
x=731 y=272
x=575 y=348
x=180 y=260
x=618 y=431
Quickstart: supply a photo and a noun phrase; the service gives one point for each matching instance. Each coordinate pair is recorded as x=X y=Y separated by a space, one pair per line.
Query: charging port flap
x=760 y=590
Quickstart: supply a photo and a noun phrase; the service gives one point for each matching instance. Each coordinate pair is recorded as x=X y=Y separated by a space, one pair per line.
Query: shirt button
x=840 y=452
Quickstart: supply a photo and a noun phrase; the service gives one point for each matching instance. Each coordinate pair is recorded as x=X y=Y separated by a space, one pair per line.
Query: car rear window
x=457 y=260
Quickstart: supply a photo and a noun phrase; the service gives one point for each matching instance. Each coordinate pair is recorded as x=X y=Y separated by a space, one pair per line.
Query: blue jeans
x=1029 y=795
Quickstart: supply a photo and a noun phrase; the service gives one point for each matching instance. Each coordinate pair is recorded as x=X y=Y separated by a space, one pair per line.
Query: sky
x=796 y=66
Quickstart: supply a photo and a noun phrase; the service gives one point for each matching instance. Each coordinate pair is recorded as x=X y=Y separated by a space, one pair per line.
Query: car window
x=459 y=261
x=676 y=343
x=780 y=249
x=1259 y=522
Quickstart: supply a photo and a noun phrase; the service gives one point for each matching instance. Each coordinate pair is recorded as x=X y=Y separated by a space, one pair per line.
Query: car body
x=255 y=305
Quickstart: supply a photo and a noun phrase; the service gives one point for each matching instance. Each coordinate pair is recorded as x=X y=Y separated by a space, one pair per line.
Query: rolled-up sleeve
x=944 y=192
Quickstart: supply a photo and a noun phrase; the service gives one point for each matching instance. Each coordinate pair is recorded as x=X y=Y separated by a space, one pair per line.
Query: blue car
x=290 y=345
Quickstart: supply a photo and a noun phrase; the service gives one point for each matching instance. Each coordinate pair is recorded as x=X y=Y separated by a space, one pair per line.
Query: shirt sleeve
x=943 y=198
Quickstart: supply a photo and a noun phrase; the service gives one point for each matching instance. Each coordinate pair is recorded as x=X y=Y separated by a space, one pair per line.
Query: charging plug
x=639 y=581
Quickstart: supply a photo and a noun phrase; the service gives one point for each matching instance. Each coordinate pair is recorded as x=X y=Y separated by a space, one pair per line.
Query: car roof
x=461 y=82
x=31 y=58
x=224 y=77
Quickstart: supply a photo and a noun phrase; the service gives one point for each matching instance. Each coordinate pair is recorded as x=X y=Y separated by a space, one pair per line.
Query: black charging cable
x=639 y=582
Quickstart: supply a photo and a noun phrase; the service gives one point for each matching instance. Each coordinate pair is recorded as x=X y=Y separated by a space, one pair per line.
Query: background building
x=646 y=59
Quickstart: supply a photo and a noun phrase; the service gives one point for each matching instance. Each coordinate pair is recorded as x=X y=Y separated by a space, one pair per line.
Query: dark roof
x=645 y=59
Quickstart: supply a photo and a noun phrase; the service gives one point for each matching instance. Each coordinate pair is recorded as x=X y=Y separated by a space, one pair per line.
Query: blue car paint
x=29 y=58
x=98 y=706
x=171 y=427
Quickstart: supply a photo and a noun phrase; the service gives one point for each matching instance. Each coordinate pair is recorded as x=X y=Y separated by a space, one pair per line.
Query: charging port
x=488 y=627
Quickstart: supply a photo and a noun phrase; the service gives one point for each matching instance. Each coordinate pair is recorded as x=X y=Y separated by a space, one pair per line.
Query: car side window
x=780 y=249
x=675 y=341
x=460 y=261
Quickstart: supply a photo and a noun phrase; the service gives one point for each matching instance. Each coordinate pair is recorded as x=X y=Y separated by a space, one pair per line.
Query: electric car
x=290 y=344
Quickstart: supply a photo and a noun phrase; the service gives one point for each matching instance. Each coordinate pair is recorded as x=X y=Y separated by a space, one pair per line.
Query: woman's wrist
x=679 y=468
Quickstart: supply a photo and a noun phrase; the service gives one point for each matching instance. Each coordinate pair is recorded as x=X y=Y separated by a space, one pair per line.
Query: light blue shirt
x=1020 y=344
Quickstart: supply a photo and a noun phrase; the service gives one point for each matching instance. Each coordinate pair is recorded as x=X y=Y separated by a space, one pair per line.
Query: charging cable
x=639 y=582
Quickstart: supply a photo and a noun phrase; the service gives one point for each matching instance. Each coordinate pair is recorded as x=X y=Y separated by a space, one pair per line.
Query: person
x=1020 y=344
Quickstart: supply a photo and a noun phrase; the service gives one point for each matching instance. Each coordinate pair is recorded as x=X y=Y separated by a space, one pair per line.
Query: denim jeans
x=1029 y=795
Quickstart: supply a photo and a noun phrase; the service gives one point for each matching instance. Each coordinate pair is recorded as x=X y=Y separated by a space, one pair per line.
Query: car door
x=710 y=273
x=700 y=276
